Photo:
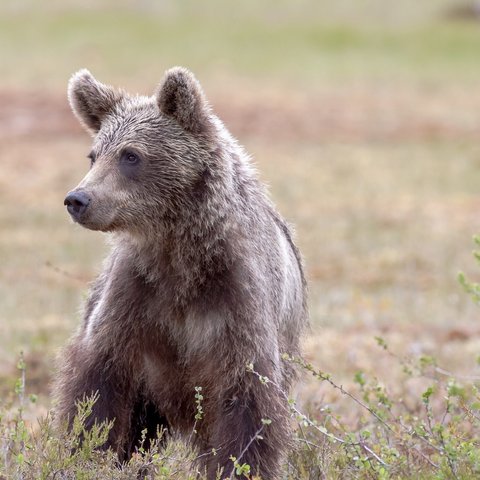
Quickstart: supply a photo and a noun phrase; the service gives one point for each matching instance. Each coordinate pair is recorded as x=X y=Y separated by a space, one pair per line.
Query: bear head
x=149 y=154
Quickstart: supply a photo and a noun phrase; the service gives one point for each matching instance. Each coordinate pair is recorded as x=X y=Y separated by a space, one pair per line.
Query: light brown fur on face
x=203 y=278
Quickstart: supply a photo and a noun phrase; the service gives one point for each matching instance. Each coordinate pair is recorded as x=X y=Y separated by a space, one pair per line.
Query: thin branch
x=258 y=432
x=446 y=373
x=326 y=378
x=64 y=273
x=371 y=452
x=323 y=431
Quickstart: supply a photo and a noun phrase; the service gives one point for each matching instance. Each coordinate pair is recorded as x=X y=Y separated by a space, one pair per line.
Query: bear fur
x=203 y=279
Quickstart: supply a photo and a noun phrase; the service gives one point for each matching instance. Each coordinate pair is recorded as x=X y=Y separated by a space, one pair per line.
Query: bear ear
x=91 y=101
x=180 y=96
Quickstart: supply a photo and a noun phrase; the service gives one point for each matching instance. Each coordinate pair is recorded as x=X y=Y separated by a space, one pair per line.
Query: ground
x=364 y=125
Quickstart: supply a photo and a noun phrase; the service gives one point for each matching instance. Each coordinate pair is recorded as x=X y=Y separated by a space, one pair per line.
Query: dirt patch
x=382 y=113
x=350 y=114
x=31 y=113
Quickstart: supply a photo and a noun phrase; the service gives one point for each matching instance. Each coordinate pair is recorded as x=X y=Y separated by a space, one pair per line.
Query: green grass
x=297 y=44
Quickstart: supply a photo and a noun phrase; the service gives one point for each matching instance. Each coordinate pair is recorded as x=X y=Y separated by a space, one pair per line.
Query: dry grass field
x=364 y=122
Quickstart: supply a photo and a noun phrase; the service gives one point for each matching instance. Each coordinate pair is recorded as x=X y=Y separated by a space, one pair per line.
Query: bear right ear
x=180 y=96
x=91 y=101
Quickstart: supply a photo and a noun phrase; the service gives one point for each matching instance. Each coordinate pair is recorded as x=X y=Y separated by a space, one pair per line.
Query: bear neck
x=190 y=253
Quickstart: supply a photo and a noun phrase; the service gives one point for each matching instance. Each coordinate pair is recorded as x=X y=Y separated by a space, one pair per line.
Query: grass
x=289 y=44
x=365 y=125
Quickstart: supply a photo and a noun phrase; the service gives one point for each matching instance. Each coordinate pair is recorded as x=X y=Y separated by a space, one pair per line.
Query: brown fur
x=203 y=278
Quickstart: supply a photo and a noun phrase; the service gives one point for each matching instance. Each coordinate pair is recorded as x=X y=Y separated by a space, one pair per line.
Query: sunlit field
x=363 y=120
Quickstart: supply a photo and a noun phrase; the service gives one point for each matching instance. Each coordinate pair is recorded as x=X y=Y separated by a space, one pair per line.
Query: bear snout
x=77 y=203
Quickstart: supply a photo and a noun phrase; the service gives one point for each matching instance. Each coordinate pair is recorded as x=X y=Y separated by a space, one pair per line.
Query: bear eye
x=92 y=158
x=131 y=158
x=129 y=162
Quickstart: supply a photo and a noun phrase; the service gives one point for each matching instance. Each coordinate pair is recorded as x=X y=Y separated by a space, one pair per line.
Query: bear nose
x=77 y=203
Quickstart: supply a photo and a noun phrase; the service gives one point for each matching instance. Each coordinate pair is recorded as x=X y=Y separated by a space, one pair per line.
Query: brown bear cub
x=202 y=280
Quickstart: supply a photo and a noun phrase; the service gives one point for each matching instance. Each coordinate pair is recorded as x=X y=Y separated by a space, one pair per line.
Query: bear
x=203 y=286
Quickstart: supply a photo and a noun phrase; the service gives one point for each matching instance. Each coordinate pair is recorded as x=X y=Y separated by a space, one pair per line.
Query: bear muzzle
x=77 y=203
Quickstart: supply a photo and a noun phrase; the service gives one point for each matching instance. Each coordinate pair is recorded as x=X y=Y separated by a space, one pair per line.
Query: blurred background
x=362 y=116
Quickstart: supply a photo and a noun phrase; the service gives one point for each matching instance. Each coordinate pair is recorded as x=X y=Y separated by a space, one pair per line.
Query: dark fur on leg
x=245 y=428
x=145 y=418
x=110 y=385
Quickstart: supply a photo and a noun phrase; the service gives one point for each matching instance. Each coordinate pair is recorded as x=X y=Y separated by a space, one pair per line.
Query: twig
x=371 y=452
x=64 y=273
x=446 y=373
x=433 y=464
x=323 y=431
x=308 y=442
x=303 y=433
x=258 y=432
x=326 y=378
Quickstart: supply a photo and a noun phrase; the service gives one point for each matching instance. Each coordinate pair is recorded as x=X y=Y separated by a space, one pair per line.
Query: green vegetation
x=310 y=41
x=432 y=436
x=45 y=453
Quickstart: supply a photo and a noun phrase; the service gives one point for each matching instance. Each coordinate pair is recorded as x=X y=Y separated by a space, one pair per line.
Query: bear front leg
x=146 y=423
x=252 y=424
x=88 y=371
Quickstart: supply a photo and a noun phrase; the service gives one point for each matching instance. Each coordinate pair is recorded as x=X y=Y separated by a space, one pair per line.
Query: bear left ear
x=91 y=101
x=181 y=97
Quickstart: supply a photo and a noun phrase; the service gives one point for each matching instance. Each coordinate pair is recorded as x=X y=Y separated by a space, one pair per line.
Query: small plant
x=436 y=438
x=472 y=288
x=40 y=452
x=241 y=469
